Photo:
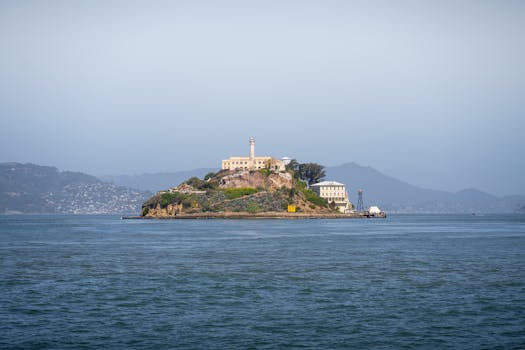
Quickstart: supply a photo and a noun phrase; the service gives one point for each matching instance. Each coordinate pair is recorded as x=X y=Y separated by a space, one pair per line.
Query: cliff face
x=170 y=210
x=237 y=191
x=256 y=179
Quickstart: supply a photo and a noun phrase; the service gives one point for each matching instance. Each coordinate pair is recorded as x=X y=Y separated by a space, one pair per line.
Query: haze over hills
x=154 y=182
x=30 y=188
x=379 y=189
x=398 y=196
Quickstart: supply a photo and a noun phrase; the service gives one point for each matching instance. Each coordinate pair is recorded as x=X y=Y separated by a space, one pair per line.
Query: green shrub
x=206 y=206
x=145 y=211
x=209 y=176
x=265 y=171
x=195 y=182
x=253 y=208
x=210 y=185
x=233 y=193
x=312 y=197
x=186 y=200
x=299 y=185
x=166 y=199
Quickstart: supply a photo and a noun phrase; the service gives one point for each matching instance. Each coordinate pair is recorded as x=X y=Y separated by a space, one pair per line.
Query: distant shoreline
x=266 y=215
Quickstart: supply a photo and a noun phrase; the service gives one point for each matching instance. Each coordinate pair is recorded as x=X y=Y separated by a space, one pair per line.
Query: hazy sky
x=431 y=92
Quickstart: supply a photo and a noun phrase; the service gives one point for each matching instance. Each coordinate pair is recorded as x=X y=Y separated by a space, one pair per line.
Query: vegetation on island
x=233 y=193
x=226 y=191
x=311 y=173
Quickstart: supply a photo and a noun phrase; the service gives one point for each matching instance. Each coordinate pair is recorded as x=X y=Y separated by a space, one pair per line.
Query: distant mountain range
x=30 y=188
x=397 y=196
x=387 y=192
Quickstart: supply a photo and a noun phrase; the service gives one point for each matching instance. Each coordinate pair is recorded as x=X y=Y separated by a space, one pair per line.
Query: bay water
x=405 y=282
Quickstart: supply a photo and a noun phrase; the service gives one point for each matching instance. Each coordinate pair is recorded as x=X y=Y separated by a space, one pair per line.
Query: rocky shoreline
x=244 y=194
x=266 y=215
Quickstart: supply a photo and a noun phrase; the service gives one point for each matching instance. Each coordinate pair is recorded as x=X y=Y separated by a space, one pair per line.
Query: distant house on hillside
x=333 y=192
x=252 y=162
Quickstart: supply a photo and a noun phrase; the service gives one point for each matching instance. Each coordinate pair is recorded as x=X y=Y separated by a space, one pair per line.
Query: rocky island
x=253 y=187
x=235 y=193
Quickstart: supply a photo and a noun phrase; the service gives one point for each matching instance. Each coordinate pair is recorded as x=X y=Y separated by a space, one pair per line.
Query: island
x=255 y=187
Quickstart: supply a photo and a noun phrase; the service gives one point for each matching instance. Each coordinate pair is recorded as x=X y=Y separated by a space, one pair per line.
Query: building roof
x=248 y=158
x=328 y=183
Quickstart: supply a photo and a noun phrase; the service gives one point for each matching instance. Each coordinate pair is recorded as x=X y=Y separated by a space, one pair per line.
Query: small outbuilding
x=374 y=210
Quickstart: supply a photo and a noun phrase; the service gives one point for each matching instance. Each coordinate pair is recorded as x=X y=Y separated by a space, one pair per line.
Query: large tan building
x=252 y=162
x=333 y=192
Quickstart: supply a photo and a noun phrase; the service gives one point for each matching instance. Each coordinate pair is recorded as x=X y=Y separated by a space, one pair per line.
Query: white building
x=333 y=192
x=286 y=160
x=374 y=210
x=252 y=162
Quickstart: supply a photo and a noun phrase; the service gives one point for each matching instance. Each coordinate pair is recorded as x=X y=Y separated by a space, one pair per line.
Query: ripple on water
x=404 y=282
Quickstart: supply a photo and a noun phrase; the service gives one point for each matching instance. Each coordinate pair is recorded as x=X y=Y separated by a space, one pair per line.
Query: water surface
x=415 y=281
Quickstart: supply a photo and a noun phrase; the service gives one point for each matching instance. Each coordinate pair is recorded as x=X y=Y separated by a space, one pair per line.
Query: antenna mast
x=360 y=206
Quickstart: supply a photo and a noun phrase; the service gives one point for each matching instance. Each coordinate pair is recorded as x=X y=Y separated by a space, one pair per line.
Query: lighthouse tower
x=251 y=162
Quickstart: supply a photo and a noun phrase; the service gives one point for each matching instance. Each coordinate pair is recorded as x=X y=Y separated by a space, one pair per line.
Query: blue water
x=422 y=282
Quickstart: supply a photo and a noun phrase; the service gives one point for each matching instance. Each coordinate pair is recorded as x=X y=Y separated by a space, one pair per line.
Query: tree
x=209 y=176
x=311 y=172
x=308 y=172
x=293 y=166
x=195 y=182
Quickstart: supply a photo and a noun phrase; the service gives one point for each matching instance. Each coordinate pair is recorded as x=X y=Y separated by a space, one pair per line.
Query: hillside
x=30 y=188
x=236 y=191
x=397 y=196
x=389 y=193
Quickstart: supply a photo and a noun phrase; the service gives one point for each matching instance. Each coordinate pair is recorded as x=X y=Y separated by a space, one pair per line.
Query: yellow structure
x=291 y=208
x=252 y=162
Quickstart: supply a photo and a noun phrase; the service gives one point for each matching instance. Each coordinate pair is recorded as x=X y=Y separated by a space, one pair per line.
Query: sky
x=430 y=92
